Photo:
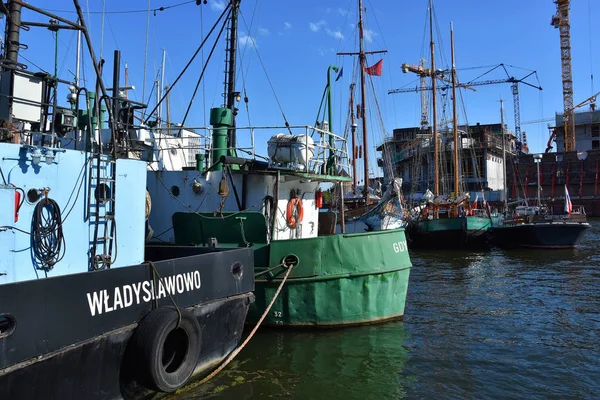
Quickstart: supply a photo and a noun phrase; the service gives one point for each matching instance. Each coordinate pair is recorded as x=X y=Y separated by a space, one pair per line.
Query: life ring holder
x=295 y=212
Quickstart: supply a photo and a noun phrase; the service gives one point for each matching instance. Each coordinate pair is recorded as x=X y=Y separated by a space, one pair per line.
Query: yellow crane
x=592 y=101
x=560 y=20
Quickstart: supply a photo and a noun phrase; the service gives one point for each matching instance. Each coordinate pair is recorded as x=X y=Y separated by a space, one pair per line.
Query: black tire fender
x=166 y=355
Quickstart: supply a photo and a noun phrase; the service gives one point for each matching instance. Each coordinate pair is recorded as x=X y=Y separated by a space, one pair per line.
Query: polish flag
x=568 y=204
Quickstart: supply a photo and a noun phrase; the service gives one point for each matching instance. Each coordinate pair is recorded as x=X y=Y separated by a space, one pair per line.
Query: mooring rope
x=237 y=351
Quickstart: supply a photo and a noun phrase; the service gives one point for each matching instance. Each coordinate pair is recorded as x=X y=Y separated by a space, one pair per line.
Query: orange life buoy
x=295 y=212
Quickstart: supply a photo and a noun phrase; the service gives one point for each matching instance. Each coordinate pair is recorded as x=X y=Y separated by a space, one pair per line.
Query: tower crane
x=509 y=79
x=423 y=73
x=560 y=20
x=592 y=102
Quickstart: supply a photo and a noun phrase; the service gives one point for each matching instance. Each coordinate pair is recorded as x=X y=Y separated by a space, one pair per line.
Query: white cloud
x=369 y=35
x=335 y=34
x=287 y=25
x=342 y=12
x=316 y=26
x=217 y=5
x=246 y=40
x=263 y=31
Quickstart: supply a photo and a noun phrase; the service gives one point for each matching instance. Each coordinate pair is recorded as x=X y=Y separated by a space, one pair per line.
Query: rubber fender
x=166 y=355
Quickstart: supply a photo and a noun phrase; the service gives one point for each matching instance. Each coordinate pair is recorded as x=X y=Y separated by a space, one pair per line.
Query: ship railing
x=324 y=148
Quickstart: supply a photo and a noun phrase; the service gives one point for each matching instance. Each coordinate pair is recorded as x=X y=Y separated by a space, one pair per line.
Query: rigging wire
x=287 y=124
x=102 y=27
x=212 y=50
x=154 y=10
x=146 y=58
x=241 y=69
x=225 y=11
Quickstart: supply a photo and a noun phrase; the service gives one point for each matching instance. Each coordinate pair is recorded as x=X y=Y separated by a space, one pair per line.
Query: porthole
x=7 y=325
x=33 y=195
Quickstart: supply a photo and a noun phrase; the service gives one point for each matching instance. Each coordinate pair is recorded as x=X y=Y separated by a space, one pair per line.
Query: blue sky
x=296 y=41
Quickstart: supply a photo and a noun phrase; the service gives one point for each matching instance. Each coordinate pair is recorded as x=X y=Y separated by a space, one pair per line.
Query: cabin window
x=596 y=130
x=595 y=144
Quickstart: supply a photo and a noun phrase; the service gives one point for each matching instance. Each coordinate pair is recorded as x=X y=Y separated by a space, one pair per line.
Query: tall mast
x=454 y=114
x=161 y=85
x=436 y=149
x=504 y=194
x=363 y=95
x=78 y=59
x=230 y=92
x=362 y=56
x=353 y=129
x=222 y=118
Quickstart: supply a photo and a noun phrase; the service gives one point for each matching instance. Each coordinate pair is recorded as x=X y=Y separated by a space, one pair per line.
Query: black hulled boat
x=86 y=310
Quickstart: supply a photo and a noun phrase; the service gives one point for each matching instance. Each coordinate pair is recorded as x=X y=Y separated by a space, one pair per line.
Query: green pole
x=221 y=119
x=200 y=162
x=94 y=119
x=331 y=158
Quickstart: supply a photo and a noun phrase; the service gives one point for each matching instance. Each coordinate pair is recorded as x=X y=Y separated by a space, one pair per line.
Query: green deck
x=339 y=280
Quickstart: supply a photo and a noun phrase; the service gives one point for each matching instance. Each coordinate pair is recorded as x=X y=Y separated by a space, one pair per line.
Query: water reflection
x=492 y=324
x=357 y=363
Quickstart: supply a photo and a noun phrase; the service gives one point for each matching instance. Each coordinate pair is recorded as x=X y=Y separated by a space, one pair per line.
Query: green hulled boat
x=448 y=221
x=337 y=279
x=451 y=232
x=273 y=204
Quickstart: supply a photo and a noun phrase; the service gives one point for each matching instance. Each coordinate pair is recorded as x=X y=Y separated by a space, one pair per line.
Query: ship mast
x=454 y=114
x=230 y=92
x=436 y=150
x=504 y=194
x=362 y=56
x=353 y=129
x=222 y=118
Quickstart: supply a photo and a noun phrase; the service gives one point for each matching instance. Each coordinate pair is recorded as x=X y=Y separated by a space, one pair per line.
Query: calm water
x=518 y=324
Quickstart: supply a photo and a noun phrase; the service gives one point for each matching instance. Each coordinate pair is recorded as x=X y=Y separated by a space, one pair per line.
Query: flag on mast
x=375 y=69
x=568 y=204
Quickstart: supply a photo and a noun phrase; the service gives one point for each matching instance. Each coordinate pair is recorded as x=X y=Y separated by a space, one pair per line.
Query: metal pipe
x=116 y=104
x=78 y=59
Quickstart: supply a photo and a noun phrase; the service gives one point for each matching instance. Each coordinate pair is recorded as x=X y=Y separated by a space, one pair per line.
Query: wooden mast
x=454 y=115
x=436 y=150
x=353 y=129
x=362 y=54
x=362 y=58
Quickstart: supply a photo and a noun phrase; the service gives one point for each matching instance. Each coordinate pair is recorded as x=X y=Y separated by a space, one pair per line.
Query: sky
x=286 y=47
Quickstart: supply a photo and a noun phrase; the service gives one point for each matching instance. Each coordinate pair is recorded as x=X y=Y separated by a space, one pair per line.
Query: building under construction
x=576 y=170
x=410 y=153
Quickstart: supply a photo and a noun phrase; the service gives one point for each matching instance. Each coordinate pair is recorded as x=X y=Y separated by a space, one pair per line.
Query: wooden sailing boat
x=448 y=221
x=374 y=208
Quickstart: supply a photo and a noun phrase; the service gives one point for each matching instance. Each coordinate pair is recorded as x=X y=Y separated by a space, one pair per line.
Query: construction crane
x=509 y=79
x=537 y=121
x=423 y=74
x=592 y=101
x=560 y=20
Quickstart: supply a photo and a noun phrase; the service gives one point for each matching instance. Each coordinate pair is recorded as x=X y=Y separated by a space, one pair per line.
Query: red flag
x=375 y=69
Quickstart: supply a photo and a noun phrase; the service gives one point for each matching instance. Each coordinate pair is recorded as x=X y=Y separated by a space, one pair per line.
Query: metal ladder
x=101 y=209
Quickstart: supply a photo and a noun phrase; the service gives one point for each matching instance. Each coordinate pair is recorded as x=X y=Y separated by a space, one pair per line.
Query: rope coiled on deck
x=47 y=240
